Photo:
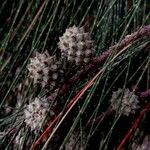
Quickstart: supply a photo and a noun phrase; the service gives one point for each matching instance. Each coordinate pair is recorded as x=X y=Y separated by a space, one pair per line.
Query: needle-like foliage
x=74 y=54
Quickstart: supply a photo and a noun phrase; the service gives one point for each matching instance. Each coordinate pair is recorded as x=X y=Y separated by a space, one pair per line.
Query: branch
x=145 y=94
x=129 y=39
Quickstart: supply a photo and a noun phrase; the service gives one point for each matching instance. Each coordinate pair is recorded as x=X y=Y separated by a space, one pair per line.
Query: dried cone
x=35 y=113
x=76 y=45
x=46 y=70
x=124 y=102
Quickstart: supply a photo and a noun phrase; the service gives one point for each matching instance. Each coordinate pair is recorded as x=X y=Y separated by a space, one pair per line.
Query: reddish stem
x=133 y=127
x=46 y=131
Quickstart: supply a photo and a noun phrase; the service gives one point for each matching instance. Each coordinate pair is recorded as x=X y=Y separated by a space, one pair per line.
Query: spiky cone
x=124 y=102
x=35 y=113
x=76 y=45
x=46 y=70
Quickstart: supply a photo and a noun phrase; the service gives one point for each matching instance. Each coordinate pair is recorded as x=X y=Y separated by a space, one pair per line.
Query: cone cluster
x=144 y=145
x=76 y=48
x=48 y=72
